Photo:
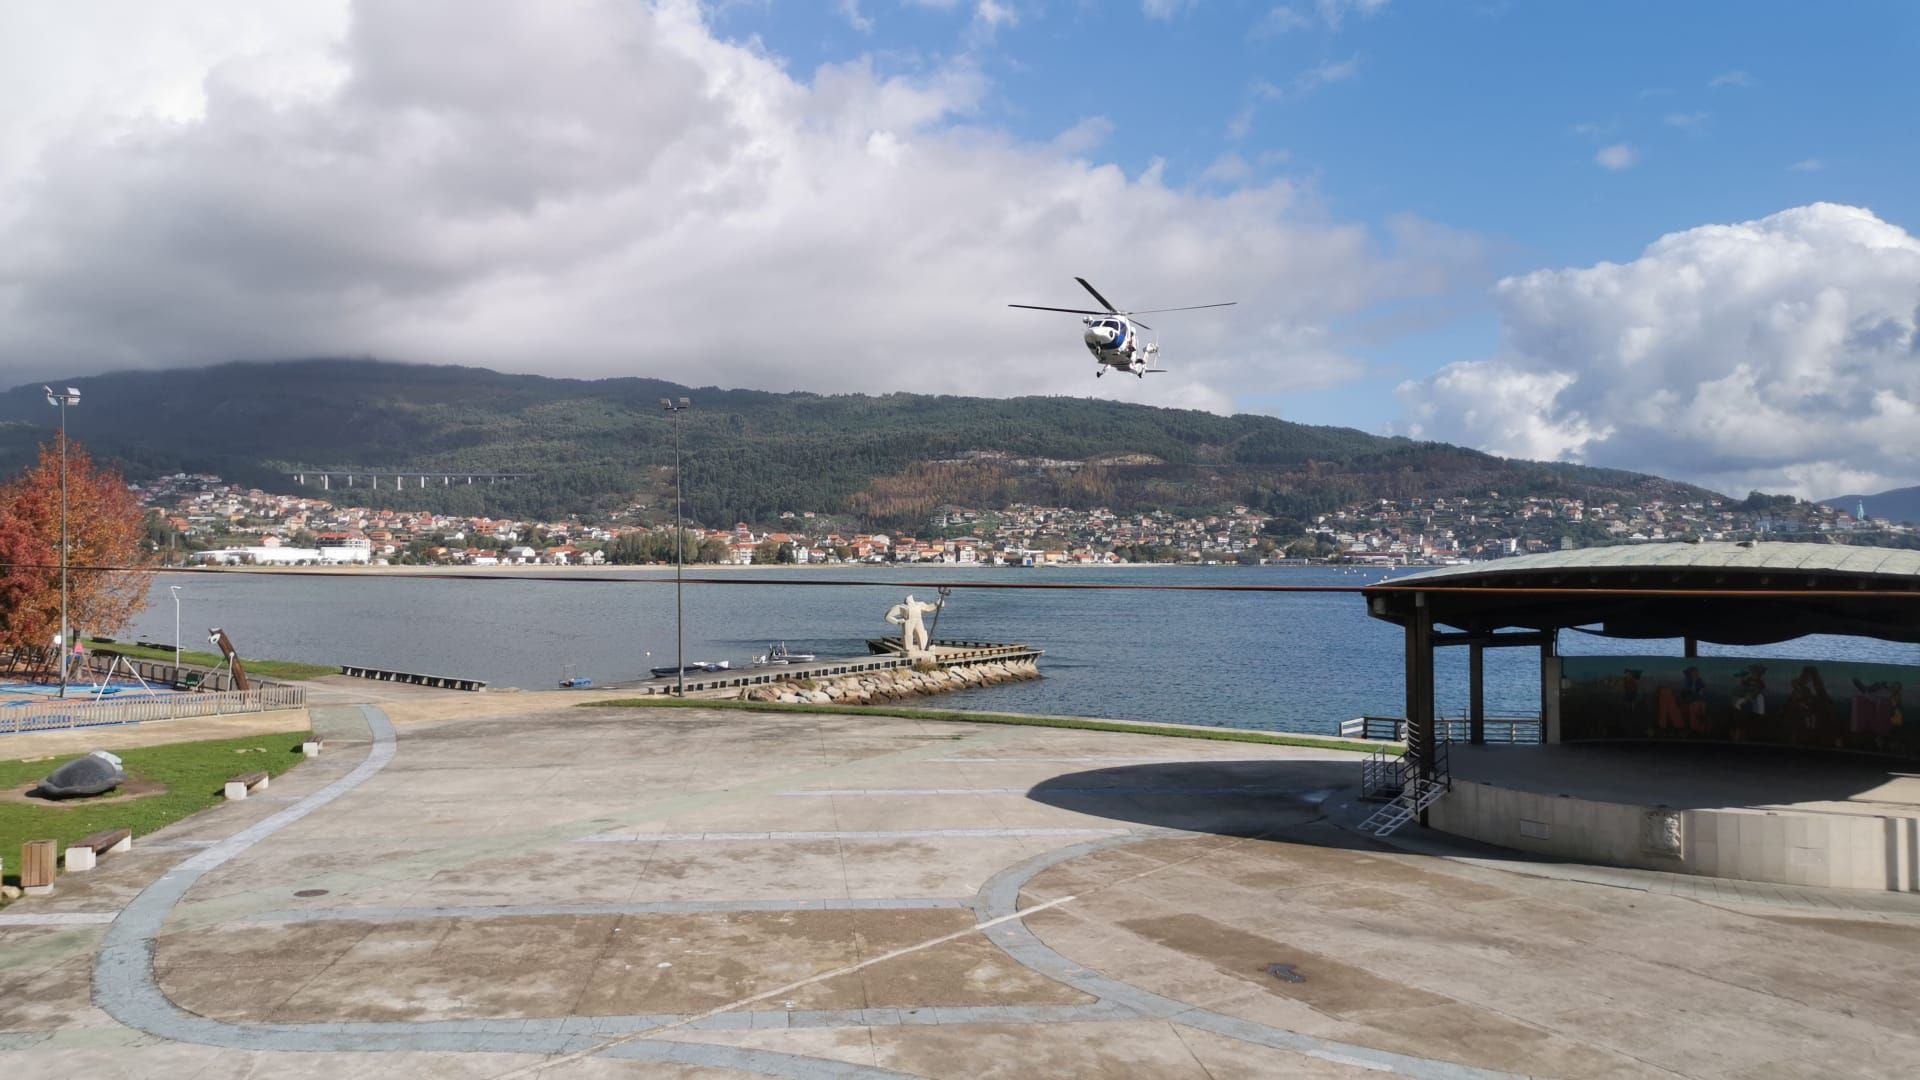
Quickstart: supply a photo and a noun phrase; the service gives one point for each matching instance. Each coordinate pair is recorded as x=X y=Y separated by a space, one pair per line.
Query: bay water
x=1279 y=661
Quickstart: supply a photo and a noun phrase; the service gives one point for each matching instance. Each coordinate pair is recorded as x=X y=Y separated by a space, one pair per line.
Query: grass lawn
x=963 y=717
x=192 y=772
x=266 y=669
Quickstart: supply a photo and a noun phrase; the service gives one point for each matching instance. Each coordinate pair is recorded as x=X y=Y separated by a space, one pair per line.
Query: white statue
x=913 y=632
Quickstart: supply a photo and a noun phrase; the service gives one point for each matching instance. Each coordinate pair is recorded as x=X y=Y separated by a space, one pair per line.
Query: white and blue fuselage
x=1114 y=342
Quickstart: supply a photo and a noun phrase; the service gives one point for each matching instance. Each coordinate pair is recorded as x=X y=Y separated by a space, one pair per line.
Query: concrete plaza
x=505 y=885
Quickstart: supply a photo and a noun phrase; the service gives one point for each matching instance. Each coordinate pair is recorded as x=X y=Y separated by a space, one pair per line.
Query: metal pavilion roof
x=1735 y=594
x=1757 y=557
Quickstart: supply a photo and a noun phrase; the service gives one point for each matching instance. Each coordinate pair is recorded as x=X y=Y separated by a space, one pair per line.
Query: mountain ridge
x=1894 y=504
x=751 y=454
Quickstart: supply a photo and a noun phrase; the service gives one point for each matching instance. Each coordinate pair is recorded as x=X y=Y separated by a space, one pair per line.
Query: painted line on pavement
x=802 y=837
x=798 y=984
x=1116 y=792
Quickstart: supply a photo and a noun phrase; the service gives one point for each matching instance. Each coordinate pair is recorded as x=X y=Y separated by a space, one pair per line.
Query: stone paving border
x=60 y=918
x=125 y=987
x=661 y=907
x=1001 y=896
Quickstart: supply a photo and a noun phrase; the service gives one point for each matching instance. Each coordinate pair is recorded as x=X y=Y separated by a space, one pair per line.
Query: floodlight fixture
x=61 y=401
x=674 y=409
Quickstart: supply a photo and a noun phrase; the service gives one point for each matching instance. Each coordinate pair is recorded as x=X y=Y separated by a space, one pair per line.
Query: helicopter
x=1110 y=335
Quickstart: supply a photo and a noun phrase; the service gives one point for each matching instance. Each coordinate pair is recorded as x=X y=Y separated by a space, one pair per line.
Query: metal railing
x=1385 y=728
x=1497 y=729
x=79 y=712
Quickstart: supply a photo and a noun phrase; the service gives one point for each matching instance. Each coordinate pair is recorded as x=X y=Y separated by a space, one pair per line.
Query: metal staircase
x=1419 y=794
x=1408 y=787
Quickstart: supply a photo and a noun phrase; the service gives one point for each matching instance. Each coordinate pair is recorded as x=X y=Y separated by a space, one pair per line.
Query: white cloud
x=1731 y=78
x=1261 y=92
x=1281 y=20
x=1617 y=157
x=1692 y=121
x=850 y=11
x=1325 y=73
x=1779 y=354
x=1087 y=135
x=604 y=187
x=1335 y=12
x=1230 y=169
x=1164 y=9
x=993 y=15
x=1812 y=164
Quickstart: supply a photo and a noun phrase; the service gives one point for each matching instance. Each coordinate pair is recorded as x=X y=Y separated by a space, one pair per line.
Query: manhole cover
x=311 y=892
x=1285 y=973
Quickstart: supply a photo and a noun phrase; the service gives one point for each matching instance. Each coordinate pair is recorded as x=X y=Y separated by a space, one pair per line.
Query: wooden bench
x=312 y=746
x=83 y=853
x=246 y=784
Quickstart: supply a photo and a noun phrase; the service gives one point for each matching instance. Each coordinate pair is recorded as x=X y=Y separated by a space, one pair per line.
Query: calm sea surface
x=1292 y=662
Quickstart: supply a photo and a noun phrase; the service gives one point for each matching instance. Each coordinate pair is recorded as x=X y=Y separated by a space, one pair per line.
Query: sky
x=1677 y=238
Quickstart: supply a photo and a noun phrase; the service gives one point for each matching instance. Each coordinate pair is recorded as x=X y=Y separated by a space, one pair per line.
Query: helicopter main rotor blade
x=1068 y=310
x=1104 y=302
x=1195 y=307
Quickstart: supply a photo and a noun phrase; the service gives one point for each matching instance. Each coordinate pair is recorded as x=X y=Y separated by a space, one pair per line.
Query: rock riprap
x=893 y=684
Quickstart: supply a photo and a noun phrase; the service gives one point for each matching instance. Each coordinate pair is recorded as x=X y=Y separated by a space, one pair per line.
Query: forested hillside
x=1900 y=504
x=749 y=454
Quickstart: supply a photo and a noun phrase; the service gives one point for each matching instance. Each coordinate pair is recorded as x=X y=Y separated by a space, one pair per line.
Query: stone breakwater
x=893 y=684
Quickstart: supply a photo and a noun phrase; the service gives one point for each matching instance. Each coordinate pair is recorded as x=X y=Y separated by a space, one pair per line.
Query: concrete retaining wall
x=1783 y=847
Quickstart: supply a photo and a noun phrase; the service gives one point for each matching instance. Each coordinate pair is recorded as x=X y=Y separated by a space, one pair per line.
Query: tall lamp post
x=71 y=397
x=175 y=590
x=673 y=408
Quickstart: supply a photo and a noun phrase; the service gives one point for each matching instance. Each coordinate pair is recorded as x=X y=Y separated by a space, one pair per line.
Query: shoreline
x=544 y=569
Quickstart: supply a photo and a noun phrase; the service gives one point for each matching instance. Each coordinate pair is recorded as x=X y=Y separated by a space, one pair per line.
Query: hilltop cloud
x=602 y=187
x=1779 y=354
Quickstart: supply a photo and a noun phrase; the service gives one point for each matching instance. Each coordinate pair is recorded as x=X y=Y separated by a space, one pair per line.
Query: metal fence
x=78 y=712
x=1498 y=729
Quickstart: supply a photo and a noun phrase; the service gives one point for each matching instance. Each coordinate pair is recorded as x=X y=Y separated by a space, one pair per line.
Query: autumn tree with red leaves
x=105 y=526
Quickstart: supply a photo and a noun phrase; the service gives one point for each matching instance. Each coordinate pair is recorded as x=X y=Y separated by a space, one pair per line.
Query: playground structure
x=33 y=674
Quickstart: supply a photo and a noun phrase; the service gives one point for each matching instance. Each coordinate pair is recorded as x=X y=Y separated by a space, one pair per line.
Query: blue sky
x=1485 y=117
x=1674 y=237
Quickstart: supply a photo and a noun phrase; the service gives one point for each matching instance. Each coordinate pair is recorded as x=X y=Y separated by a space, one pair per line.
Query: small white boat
x=780 y=654
x=694 y=667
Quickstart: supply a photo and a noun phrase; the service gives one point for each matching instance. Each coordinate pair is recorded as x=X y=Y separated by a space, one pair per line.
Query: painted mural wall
x=1811 y=703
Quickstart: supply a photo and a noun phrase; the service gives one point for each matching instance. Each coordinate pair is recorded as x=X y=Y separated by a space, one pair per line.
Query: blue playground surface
x=26 y=692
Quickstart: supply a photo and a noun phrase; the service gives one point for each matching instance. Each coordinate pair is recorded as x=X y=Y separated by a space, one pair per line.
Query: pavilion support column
x=1550 y=688
x=1420 y=744
x=1477 y=694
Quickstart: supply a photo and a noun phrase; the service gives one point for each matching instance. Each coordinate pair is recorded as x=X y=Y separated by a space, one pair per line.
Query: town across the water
x=204 y=519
